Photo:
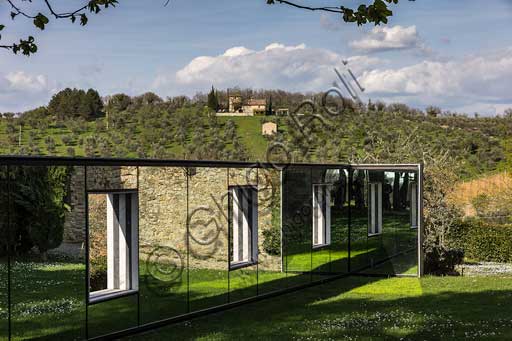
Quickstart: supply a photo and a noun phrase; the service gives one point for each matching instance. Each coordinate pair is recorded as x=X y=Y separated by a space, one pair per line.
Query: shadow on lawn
x=319 y=313
x=159 y=299
x=50 y=300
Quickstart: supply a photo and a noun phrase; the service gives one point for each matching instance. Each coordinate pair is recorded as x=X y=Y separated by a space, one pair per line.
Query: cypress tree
x=213 y=102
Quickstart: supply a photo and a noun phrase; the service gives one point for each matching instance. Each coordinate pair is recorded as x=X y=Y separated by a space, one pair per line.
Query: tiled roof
x=257 y=102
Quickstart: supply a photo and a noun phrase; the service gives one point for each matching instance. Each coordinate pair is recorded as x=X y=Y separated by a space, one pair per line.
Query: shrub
x=442 y=261
x=272 y=241
x=67 y=140
x=483 y=241
x=39 y=207
x=70 y=151
x=98 y=241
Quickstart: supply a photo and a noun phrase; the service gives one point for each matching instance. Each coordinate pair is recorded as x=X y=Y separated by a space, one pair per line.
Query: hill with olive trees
x=78 y=123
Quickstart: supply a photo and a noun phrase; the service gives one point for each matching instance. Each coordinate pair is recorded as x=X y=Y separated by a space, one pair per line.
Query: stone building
x=268 y=128
x=256 y=106
x=238 y=107
x=234 y=102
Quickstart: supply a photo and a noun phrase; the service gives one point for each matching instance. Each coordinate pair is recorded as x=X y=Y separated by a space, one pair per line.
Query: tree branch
x=64 y=15
x=19 y=11
x=309 y=8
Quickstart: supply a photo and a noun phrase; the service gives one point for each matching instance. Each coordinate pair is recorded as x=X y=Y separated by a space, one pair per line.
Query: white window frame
x=122 y=246
x=321 y=215
x=413 y=200
x=244 y=226
x=374 y=208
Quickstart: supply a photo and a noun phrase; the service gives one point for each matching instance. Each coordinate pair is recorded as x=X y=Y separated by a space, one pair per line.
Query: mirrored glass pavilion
x=153 y=242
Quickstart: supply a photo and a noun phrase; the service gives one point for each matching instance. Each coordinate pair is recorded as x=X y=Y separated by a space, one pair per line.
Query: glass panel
x=270 y=276
x=111 y=178
x=243 y=283
x=111 y=316
x=208 y=237
x=321 y=191
x=113 y=237
x=359 y=222
x=48 y=272
x=297 y=224
x=4 y=242
x=97 y=242
x=392 y=251
x=163 y=242
x=244 y=229
x=380 y=233
x=339 y=221
x=405 y=261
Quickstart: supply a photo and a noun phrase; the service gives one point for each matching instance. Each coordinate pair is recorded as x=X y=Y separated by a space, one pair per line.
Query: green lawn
x=249 y=130
x=48 y=298
x=358 y=308
x=48 y=304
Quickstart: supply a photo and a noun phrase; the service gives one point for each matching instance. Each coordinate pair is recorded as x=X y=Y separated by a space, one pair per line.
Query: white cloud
x=384 y=38
x=21 y=81
x=476 y=82
x=295 y=68
x=20 y=91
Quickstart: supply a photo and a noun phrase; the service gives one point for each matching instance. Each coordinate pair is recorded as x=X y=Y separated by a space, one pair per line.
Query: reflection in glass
x=392 y=250
x=47 y=225
x=178 y=240
x=163 y=243
x=243 y=222
x=297 y=224
x=208 y=237
x=359 y=222
x=4 y=243
x=270 y=276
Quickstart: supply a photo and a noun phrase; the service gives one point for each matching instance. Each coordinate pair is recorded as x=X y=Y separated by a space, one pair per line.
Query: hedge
x=482 y=241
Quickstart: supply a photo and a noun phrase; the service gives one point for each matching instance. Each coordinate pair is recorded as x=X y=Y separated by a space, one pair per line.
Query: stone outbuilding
x=269 y=128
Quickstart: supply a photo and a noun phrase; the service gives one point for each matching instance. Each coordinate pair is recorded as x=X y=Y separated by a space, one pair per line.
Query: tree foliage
x=37 y=207
x=75 y=103
x=213 y=100
x=376 y=12
x=24 y=9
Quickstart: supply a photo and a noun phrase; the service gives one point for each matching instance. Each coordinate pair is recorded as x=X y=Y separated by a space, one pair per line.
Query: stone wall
x=98 y=179
x=163 y=207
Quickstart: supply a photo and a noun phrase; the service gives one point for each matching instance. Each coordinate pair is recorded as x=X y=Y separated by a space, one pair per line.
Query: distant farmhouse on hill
x=239 y=106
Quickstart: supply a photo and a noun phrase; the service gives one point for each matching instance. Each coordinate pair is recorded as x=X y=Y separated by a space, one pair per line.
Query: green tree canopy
x=75 y=103
x=118 y=102
x=213 y=100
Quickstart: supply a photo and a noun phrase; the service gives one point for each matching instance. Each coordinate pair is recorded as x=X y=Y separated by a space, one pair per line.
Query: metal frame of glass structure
x=351 y=250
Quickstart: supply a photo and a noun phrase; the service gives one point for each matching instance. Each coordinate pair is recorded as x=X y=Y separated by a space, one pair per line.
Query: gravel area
x=485 y=269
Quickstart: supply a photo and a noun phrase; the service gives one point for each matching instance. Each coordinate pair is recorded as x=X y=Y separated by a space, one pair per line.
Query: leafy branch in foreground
x=378 y=12
x=41 y=20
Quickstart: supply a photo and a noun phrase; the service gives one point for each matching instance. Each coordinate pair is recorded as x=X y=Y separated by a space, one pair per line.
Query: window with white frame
x=413 y=200
x=121 y=245
x=374 y=208
x=244 y=225
x=321 y=214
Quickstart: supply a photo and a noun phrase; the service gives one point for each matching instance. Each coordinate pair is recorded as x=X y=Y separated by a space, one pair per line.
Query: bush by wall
x=442 y=261
x=38 y=205
x=483 y=241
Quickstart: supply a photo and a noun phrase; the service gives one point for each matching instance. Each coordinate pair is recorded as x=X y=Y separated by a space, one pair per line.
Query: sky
x=454 y=54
